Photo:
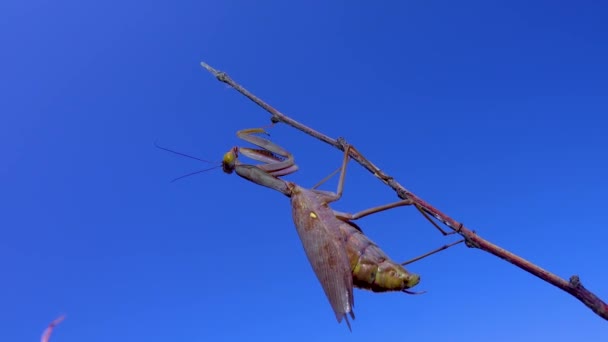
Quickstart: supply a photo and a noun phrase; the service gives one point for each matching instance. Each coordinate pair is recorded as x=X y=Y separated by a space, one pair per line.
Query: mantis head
x=230 y=159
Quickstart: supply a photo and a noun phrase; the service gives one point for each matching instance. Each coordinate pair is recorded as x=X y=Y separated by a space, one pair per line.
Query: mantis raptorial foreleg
x=273 y=164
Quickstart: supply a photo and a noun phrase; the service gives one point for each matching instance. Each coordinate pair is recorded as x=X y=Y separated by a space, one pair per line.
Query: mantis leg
x=444 y=247
x=363 y=213
x=273 y=164
x=366 y=212
x=327 y=178
x=332 y=197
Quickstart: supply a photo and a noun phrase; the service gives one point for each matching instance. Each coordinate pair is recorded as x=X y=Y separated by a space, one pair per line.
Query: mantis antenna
x=219 y=164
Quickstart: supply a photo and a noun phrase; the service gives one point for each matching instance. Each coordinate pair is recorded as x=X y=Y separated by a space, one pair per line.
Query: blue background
x=493 y=111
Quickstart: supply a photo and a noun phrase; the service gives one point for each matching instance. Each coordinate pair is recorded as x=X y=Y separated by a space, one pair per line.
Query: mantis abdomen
x=371 y=268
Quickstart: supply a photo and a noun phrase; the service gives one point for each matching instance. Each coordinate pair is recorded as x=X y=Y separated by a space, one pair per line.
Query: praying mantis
x=341 y=256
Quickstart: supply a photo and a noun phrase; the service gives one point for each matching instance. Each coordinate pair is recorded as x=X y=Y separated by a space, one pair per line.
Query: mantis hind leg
x=434 y=251
x=373 y=210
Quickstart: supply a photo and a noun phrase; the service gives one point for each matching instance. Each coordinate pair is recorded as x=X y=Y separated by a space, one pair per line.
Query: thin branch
x=572 y=286
x=46 y=335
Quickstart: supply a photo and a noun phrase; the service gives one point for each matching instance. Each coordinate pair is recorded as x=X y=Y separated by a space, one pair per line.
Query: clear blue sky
x=495 y=112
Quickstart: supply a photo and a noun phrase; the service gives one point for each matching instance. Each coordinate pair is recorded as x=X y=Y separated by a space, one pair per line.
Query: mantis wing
x=325 y=247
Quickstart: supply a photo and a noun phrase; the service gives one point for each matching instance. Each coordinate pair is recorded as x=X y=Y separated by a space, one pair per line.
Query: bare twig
x=46 y=335
x=572 y=286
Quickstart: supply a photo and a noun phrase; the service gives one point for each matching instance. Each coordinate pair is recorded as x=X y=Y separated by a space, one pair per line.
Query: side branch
x=573 y=286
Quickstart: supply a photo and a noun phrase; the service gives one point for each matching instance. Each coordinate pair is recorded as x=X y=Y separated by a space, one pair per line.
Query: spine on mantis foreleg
x=372 y=269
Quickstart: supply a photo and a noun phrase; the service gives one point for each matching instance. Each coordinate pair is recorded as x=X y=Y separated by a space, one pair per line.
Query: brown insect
x=340 y=254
